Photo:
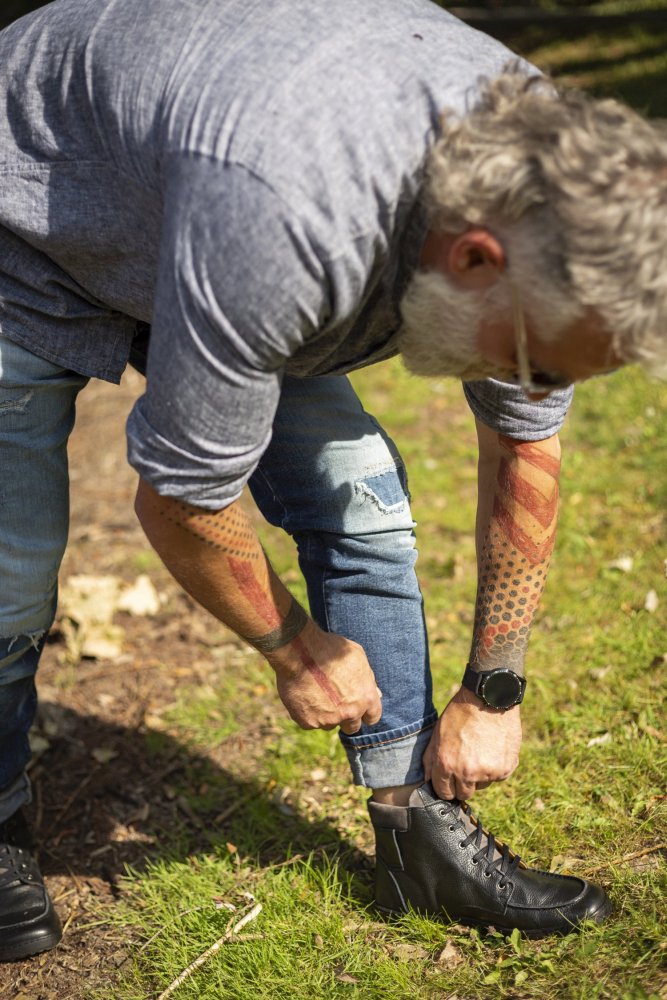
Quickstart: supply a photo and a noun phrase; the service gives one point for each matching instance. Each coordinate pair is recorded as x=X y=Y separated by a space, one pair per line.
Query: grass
x=588 y=795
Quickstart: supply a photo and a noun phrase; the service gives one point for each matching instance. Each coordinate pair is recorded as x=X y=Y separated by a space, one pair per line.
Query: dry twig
x=627 y=857
x=227 y=936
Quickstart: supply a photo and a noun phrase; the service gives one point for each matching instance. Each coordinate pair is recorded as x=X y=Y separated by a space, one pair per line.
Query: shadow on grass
x=154 y=798
x=645 y=89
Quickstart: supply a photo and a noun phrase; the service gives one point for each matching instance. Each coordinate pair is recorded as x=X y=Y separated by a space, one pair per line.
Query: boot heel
x=388 y=896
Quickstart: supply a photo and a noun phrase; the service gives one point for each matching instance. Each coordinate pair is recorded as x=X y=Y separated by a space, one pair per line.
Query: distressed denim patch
x=387 y=489
x=14 y=401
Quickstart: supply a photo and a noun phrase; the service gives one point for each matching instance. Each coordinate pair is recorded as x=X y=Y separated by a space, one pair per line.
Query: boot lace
x=485 y=843
x=15 y=862
x=14 y=866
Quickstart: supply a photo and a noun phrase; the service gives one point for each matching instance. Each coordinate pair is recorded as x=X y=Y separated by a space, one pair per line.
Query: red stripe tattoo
x=532 y=454
x=542 y=508
x=252 y=590
x=535 y=552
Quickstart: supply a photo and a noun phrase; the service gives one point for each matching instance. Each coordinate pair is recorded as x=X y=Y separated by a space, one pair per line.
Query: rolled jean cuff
x=379 y=760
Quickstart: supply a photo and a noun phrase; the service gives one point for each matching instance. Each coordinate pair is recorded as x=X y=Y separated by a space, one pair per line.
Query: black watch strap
x=500 y=689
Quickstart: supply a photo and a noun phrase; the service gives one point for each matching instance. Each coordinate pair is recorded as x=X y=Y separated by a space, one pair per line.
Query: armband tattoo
x=292 y=624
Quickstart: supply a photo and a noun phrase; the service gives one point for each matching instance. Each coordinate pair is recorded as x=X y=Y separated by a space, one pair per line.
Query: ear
x=473 y=260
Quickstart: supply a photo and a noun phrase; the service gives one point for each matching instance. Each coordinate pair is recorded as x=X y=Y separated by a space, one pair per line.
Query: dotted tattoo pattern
x=227 y=530
x=516 y=556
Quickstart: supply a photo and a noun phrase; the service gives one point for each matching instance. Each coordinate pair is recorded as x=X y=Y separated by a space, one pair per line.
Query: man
x=263 y=183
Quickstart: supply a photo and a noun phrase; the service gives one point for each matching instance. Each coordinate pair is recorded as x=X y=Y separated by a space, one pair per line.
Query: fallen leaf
x=343 y=977
x=404 y=951
x=598 y=741
x=38 y=744
x=623 y=563
x=102 y=645
x=103 y=754
x=90 y=598
x=141 y=599
x=539 y=805
x=319 y=774
x=450 y=956
x=318 y=942
x=651 y=602
x=599 y=673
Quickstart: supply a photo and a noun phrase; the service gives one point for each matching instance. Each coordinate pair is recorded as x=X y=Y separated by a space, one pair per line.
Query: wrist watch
x=500 y=689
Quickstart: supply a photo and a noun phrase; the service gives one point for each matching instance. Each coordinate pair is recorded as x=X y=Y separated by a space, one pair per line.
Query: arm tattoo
x=229 y=532
x=294 y=622
x=284 y=630
x=515 y=556
x=226 y=530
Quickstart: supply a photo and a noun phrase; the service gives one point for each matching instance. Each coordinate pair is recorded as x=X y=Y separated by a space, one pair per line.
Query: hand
x=472 y=745
x=325 y=680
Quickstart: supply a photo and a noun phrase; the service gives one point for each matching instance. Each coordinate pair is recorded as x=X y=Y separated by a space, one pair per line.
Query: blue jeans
x=331 y=478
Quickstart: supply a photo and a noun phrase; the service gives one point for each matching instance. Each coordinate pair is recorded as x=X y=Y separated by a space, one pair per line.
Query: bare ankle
x=395 y=795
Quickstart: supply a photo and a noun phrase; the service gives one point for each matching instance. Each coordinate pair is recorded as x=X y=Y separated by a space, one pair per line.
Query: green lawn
x=589 y=796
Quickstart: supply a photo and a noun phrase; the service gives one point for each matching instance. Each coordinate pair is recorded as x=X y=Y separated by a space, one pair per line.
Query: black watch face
x=501 y=689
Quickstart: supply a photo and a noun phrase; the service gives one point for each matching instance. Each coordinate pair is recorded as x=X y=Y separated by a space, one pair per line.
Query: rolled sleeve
x=505 y=409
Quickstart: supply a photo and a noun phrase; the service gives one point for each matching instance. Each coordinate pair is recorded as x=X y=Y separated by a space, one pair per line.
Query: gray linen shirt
x=245 y=176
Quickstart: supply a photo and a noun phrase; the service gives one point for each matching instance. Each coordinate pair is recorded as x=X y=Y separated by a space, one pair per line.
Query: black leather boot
x=433 y=856
x=28 y=922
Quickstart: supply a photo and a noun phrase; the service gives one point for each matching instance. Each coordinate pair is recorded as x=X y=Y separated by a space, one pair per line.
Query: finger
x=373 y=713
x=444 y=787
x=372 y=716
x=483 y=784
x=351 y=726
x=464 y=789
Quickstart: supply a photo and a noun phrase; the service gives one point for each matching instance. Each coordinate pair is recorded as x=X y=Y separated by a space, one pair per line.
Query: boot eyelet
x=442 y=812
x=462 y=843
x=451 y=828
x=502 y=885
x=474 y=861
x=487 y=874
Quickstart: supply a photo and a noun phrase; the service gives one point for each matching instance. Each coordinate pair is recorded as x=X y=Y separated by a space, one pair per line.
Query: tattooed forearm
x=283 y=630
x=227 y=530
x=294 y=622
x=255 y=613
x=515 y=553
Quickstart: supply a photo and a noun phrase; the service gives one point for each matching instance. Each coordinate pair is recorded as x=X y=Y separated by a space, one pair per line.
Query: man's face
x=471 y=335
x=580 y=350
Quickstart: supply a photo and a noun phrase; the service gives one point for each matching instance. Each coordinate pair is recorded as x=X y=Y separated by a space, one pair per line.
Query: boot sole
x=597 y=916
x=31 y=938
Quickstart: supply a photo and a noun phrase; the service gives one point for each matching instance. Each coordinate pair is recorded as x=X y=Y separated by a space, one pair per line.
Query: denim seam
x=274 y=494
x=428 y=723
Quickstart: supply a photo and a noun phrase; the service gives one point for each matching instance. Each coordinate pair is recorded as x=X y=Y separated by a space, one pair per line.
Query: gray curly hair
x=576 y=188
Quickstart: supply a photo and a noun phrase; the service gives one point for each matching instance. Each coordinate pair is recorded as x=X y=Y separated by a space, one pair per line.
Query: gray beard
x=440 y=328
